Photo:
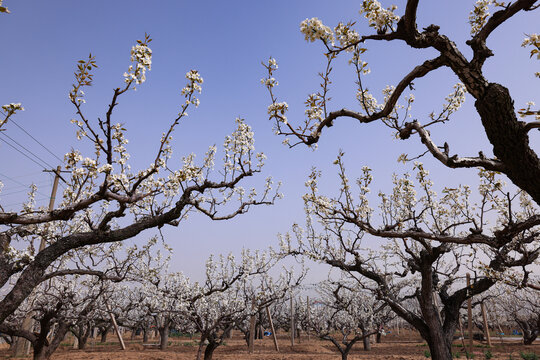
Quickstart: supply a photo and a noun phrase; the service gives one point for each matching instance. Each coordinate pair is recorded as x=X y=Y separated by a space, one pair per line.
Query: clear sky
x=226 y=41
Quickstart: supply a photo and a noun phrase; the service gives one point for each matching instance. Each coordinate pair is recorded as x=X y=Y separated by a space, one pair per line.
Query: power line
x=28 y=174
x=20 y=203
x=26 y=149
x=12 y=179
x=17 y=186
x=40 y=165
x=16 y=191
x=18 y=182
x=33 y=138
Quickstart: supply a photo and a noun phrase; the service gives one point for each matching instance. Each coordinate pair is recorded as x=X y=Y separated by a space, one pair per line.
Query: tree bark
x=509 y=139
x=145 y=336
x=44 y=350
x=209 y=351
x=82 y=334
x=366 y=339
x=367 y=343
x=440 y=349
x=104 y=331
x=164 y=336
x=530 y=329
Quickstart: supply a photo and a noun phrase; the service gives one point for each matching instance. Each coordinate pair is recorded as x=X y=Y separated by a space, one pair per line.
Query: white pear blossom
x=313 y=29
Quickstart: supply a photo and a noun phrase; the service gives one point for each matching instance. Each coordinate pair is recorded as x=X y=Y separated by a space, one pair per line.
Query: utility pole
x=51 y=201
x=22 y=346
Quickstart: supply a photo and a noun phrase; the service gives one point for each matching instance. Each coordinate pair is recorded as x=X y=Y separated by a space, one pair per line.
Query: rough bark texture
x=367 y=343
x=530 y=329
x=209 y=350
x=82 y=335
x=163 y=336
x=104 y=332
x=44 y=350
x=509 y=138
x=145 y=336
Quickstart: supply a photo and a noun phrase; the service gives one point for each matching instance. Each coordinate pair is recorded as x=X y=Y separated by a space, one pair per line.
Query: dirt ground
x=392 y=347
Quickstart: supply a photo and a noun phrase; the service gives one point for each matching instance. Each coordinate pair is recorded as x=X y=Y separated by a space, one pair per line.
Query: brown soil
x=392 y=347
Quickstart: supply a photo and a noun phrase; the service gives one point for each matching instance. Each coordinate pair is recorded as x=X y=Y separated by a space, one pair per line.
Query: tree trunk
x=530 y=330
x=82 y=334
x=367 y=343
x=83 y=340
x=43 y=351
x=528 y=338
x=379 y=338
x=246 y=337
x=366 y=340
x=209 y=351
x=104 y=332
x=163 y=336
x=145 y=336
x=440 y=350
x=201 y=345
x=439 y=342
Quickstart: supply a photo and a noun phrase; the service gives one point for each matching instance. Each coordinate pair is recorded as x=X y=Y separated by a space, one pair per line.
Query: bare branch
x=445 y=158
x=417 y=72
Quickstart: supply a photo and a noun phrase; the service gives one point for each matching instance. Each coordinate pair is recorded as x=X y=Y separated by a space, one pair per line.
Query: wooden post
x=292 y=321
x=500 y=333
x=469 y=313
x=486 y=328
x=274 y=335
x=462 y=335
x=252 y=329
x=308 y=317
x=115 y=325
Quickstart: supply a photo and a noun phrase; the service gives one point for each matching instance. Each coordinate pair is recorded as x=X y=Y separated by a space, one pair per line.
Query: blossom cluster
x=194 y=85
x=313 y=29
x=9 y=110
x=379 y=18
x=12 y=107
x=278 y=110
x=314 y=109
x=141 y=55
x=238 y=147
x=346 y=35
x=534 y=41
x=480 y=13
x=368 y=101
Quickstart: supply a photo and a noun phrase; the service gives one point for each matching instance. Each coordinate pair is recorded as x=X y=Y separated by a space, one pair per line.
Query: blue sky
x=226 y=41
